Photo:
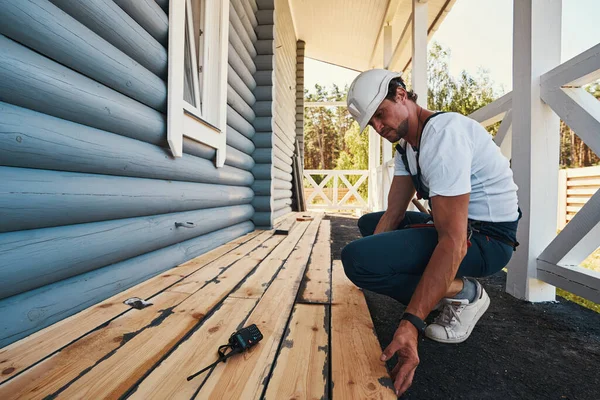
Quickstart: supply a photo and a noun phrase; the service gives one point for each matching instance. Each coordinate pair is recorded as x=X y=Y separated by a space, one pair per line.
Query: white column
x=386 y=183
x=387 y=46
x=374 y=156
x=419 y=50
x=535 y=142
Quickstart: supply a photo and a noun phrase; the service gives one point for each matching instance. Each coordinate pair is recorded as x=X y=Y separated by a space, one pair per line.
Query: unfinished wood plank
x=245 y=377
x=53 y=373
x=26 y=352
x=115 y=375
x=279 y=220
x=102 y=339
x=353 y=343
x=255 y=285
x=316 y=286
x=301 y=370
x=285 y=226
x=167 y=381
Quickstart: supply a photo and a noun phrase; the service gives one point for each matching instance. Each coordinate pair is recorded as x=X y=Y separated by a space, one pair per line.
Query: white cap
x=367 y=92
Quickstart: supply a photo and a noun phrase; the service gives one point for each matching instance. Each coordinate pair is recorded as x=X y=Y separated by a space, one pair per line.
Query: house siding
x=90 y=194
x=275 y=111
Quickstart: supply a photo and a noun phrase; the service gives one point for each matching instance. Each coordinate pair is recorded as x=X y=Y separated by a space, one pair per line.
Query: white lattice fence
x=335 y=192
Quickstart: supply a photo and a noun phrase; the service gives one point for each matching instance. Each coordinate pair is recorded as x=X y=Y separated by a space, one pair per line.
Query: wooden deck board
x=169 y=379
x=103 y=339
x=24 y=353
x=244 y=377
x=301 y=370
x=119 y=351
x=117 y=374
x=164 y=380
x=316 y=286
x=357 y=372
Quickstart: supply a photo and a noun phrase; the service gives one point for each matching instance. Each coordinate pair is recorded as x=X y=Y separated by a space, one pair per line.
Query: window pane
x=188 y=86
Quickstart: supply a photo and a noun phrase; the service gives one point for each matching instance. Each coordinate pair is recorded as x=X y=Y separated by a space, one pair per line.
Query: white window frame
x=207 y=121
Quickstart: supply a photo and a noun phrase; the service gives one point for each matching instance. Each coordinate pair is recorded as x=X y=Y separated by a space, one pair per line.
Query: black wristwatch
x=416 y=321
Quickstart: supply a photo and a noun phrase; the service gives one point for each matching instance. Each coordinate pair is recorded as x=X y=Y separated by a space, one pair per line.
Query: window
x=197 y=86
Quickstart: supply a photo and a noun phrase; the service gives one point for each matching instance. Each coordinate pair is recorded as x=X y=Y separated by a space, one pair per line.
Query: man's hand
x=405 y=345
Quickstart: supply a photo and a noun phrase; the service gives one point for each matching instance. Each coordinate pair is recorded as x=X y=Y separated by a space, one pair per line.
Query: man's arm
x=401 y=193
x=451 y=214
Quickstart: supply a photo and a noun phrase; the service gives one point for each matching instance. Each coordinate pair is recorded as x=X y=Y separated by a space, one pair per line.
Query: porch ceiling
x=349 y=33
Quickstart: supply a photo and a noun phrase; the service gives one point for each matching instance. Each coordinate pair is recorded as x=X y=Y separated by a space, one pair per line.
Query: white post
x=386 y=145
x=387 y=46
x=374 y=155
x=535 y=142
x=419 y=50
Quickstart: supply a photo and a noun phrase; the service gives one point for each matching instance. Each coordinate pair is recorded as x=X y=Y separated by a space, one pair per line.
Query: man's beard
x=400 y=132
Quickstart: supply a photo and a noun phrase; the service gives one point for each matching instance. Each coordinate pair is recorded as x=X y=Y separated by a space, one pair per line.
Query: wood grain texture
x=168 y=380
x=55 y=373
x=26 y=352
x=357 y=372
x=301 y=370
x=254 y=287
x=316 y=286
x=244 y=377
x=114 y=376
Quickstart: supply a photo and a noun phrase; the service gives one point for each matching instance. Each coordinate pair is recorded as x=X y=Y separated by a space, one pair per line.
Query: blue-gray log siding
x=263 y=154
x=90 y=193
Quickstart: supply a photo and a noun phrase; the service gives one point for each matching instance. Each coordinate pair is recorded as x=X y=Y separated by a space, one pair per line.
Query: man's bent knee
x=349 y=263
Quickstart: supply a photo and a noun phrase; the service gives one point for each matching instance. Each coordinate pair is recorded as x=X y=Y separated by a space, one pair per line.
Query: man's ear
x=400 y=94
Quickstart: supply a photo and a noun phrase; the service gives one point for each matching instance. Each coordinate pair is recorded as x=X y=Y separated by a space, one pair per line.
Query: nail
x=383 y=357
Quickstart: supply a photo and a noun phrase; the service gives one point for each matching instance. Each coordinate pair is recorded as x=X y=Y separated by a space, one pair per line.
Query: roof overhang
x=349 y=33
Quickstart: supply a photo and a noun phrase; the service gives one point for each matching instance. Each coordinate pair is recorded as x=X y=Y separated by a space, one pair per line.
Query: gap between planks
x=53 y=373
x=357 y=372
x=246 y=372
x=26 y=352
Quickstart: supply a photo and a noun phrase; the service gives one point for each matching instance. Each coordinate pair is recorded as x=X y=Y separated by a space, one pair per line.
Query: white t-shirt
x=458 y=156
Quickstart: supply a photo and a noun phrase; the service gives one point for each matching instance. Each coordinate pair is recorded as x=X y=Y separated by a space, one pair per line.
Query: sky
x=486 y=41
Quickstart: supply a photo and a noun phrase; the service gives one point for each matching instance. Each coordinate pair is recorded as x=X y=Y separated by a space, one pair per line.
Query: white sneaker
x=458 y=317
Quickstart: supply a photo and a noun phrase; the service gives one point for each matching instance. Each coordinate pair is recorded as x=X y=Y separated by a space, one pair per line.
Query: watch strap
x=416 y=321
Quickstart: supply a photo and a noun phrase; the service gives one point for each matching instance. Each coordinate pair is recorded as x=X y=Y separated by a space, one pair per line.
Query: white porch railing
x=559 y=262
x=323 y=196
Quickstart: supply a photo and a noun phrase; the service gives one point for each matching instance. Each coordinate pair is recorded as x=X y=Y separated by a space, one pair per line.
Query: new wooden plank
x=169 y=378
x=285 y=227
x=317 y=281
x=245 y=378
x=26 y=352
x=357 y=372
x=114 y=376
x=55 y=372
x=301 y=370
x=255 y=286
x=43 y=379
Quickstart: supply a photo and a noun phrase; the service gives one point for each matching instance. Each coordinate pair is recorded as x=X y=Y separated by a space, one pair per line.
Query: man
x=452 y=161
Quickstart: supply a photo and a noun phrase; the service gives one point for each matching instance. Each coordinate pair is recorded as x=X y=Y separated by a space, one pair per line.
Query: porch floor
x=319 y=340
x=518 y=350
